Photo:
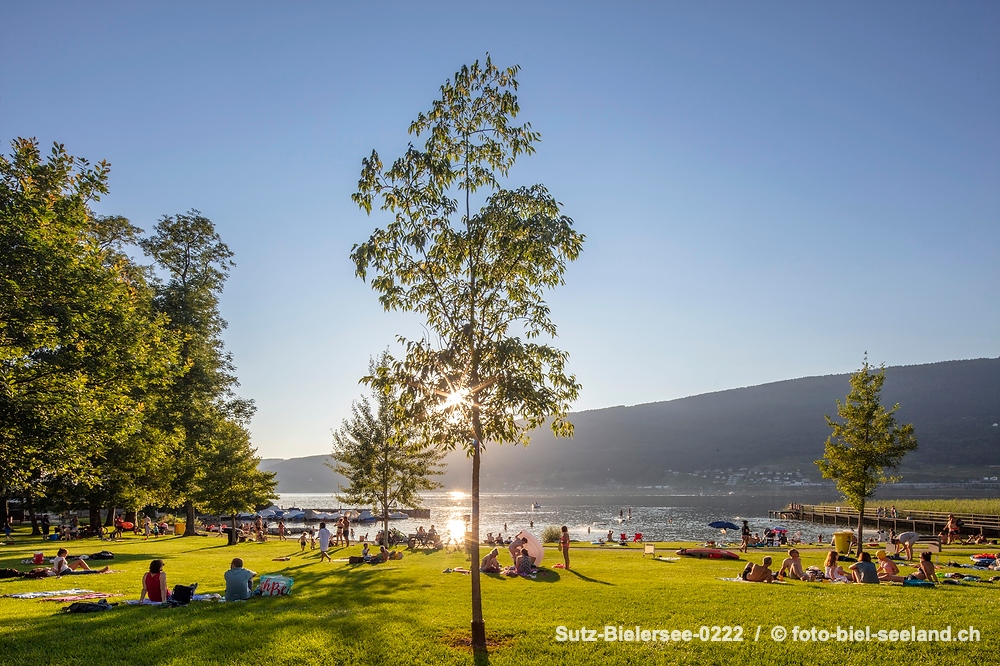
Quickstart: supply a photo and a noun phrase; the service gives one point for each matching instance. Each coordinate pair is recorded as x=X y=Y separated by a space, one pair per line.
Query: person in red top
x=564 y=544
x=154 y=583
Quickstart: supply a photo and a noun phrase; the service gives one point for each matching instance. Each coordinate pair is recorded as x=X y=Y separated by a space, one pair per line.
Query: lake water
x=588 y=516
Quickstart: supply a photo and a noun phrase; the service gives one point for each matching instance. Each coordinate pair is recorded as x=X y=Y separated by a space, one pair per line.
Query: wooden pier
x=926 y=522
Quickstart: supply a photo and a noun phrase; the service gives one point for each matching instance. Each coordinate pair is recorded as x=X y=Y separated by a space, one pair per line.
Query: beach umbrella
x=779 y=529
x=723 y=525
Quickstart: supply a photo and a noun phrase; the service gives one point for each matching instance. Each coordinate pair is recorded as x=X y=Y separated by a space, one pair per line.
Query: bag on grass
x=355 y=559
x=103 y=555
x=273 y=585
x=182 y=594
x=87 y=606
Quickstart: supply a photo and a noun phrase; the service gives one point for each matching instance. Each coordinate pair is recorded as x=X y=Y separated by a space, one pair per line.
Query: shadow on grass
x=588 y=579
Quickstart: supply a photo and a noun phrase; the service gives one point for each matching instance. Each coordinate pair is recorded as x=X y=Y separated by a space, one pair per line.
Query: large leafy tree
x=232 y=482
x=79 y=344
x=865 y=442
x=475 y=273
x=383 y=455
x=195 y=262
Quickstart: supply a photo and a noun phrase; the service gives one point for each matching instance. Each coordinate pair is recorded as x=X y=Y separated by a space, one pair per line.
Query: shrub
x=551 y=534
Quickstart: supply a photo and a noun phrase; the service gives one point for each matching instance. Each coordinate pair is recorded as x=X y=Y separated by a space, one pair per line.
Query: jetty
x=928 y=522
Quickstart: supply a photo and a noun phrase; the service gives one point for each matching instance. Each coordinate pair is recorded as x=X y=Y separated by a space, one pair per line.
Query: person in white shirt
x=324 y=543
x=60 y=567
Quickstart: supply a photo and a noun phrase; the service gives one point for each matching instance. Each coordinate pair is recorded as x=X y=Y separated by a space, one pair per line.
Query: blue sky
x=768 y=190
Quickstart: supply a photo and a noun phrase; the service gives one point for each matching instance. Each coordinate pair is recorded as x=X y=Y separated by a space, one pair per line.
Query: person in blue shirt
x=239 y=581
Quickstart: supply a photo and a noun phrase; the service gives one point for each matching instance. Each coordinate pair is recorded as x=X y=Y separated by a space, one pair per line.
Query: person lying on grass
x=758 y=573
x=60 y=567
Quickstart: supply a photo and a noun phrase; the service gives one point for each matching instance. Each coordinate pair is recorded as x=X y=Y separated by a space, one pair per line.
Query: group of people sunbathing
x=523 y=562
x=862 y=571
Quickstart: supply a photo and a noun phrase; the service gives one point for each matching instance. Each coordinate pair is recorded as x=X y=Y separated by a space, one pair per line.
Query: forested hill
x=953 y=406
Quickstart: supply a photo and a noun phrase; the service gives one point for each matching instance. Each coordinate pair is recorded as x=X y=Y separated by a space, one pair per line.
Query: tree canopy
x=383 y=455
x=865 y=442
x=484 y=373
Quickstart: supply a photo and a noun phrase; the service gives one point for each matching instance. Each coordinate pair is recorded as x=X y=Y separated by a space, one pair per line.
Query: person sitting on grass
x=889 y=572
x=515 y=548
x=60 y=567
x=834 y=572
x=925 y=569
x=239 y=581
x=490 y=563
x=864 y=570
x=383 y=553
x=524 y=562
x=792 y=567
x=758 y=573
x=154 y=583
x=366 y=554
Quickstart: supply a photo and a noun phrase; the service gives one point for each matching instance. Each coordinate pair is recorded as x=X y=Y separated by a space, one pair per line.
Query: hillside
x=780 y=426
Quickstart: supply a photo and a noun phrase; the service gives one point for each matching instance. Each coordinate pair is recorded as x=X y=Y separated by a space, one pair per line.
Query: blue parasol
x=723 y=525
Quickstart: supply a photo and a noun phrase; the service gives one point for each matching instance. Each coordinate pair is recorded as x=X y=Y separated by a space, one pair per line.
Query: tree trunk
x=95 y=516
x=478 y=625
x=189 y=510
x=35 y=531
x=110 y=520
x=861 y=527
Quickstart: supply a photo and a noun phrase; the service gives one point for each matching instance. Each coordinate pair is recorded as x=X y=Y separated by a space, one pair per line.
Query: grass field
x=409 y=611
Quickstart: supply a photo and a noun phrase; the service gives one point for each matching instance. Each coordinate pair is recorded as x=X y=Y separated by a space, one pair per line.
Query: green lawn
x=410 y=611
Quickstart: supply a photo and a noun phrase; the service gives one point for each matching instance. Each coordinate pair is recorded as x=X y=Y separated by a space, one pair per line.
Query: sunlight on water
x=458 y=495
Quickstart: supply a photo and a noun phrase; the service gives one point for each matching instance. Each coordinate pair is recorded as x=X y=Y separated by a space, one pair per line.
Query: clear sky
x=768 y=190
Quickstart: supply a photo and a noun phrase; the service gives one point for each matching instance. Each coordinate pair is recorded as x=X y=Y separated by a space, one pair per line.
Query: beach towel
x=52 y=593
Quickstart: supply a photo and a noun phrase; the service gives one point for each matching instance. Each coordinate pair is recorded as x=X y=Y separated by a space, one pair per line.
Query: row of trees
x=115 y=388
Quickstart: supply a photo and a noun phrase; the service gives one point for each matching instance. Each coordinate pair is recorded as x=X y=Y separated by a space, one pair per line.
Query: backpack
x=103 y=555
x=88 y=606
x=182 y=594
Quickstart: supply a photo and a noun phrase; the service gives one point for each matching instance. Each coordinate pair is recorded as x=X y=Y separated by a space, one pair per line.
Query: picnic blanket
x=53 y=593
x=83 y=597
x=194 y=597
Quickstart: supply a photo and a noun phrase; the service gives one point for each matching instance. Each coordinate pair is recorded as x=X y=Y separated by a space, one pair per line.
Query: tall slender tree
x=383 y=455
x=474 y=259
x=196 y=263
x=865 y=442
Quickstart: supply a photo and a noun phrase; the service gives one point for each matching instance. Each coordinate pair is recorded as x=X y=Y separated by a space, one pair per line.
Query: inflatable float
x=708 y=553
